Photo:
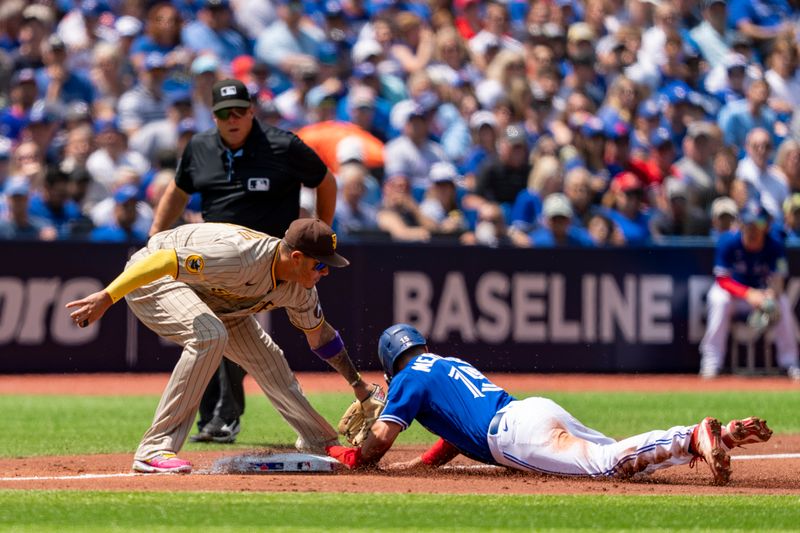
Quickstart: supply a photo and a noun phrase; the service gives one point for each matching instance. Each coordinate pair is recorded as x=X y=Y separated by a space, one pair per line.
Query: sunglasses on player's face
x=319 y=266
x=235 y=112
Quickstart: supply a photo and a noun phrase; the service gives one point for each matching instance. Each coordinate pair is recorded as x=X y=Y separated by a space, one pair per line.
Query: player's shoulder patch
x=194 y=264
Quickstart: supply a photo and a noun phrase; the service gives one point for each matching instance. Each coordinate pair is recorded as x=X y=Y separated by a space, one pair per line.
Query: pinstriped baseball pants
x=174 y=311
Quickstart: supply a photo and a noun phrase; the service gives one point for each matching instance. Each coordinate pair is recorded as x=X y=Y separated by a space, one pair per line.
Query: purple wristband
x=330 y=348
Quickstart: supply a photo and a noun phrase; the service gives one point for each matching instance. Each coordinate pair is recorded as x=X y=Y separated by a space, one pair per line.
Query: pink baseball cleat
x=163 y=463
x=707 y=445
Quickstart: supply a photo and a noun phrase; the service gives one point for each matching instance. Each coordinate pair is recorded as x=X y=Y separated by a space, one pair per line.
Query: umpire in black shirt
x=248 y=174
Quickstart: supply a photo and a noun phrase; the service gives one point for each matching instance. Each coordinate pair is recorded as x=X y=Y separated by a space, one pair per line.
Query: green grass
x=151 y=512
x=65 y=425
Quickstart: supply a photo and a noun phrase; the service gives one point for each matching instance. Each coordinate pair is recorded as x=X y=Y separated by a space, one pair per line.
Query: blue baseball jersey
x=451 y=398
x=749 y=268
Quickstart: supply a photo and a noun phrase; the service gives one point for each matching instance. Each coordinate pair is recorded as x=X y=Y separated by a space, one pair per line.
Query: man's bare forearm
x=169 y=208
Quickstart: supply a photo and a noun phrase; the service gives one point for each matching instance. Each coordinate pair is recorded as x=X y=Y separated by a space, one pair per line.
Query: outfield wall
x=592 y=310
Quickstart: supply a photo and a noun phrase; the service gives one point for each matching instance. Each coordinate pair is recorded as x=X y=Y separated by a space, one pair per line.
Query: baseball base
x=280 y=463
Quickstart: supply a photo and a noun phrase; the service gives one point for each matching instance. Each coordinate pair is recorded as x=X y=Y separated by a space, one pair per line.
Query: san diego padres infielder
x=199 y=285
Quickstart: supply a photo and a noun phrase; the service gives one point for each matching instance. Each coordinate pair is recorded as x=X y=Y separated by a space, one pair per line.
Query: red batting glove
x=350 y=457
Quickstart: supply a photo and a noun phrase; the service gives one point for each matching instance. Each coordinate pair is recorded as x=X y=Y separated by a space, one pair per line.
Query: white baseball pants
x=174 y=311
x=538 y=435
x=721 y=308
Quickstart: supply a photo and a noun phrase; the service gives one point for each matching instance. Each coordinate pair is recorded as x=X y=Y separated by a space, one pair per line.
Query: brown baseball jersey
x=226 y=273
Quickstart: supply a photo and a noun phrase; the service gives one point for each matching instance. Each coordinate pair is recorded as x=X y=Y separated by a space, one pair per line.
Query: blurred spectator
x=5 y=159
x=43 y=125
x=104 y=212
x=626 y=210
x=123 y=227
x=213 y=31
x=22 y=96
x=545 y=178
x=56 y=83
x=782 y=77
x=590 y=141
x=760 y=21
x=500 y=179
x=712 y=36
x=648 y=116
x=791 y=219
x=293 y=102
x=483 y=126
x=145 y=101
x=494 y=36
x=603 y=232
x=79 y=146
x=441 y=202
x=738 y=118
x=163 y=134
x=723 y=216
x=353 y=213
x=660 y=163
x=112 y=153
x=19 y=224
x=468 y=17
x=557 y=227
x=108 y=75
x=350 y=152
x=787 y=164
x=412 y=153
x=579 y=193
x=491 y=230
x=413 y=47
x=27 y=161
x=162 y=34
x=680 y=218
x=32 y=33
x=53 y=204
x=289 y=42
x=725 y=163
x=755 y=170
x=400 y=215
x=696 y=166
x=205 y=74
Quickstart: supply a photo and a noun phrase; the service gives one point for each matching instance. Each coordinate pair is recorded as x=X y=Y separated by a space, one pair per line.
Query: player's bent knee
x=210 y=329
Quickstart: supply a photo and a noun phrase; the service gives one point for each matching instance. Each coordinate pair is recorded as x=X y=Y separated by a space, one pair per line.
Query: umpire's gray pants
x=174 y=311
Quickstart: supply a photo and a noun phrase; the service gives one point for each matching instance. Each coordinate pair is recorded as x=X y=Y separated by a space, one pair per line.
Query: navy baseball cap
x=753 y=212
x=676 y=93
x=229 y=93
x=660 y=137
x=181 y=96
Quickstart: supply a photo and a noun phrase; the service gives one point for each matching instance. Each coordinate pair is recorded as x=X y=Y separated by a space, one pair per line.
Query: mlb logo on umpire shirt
x=230 y=90
x=258 y=184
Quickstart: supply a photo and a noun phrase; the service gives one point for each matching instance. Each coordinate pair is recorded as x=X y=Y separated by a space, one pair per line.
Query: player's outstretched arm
x=328 y=345
x=442 y=452
x=156 y=265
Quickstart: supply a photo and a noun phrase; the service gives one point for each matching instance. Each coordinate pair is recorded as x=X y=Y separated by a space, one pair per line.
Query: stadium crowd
x=526 y=123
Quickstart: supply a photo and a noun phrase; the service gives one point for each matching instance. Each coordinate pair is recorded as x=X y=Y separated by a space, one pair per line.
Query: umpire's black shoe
x=217 y=430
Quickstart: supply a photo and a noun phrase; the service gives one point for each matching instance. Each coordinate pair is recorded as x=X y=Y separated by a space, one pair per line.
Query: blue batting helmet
x=394 y=341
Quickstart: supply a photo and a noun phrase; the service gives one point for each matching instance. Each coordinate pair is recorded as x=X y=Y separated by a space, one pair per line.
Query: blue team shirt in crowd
x=749 y=268
x=450 y=398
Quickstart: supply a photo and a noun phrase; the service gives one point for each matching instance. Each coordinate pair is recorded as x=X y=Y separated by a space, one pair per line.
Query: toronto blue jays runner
x=475 y=417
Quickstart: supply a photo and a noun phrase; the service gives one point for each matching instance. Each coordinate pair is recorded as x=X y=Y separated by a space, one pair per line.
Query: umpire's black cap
x=316 y=239
x=229 y=93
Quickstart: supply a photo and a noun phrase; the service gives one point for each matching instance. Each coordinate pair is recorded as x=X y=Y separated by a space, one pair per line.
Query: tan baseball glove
x=359 y=416
x=764 y=317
